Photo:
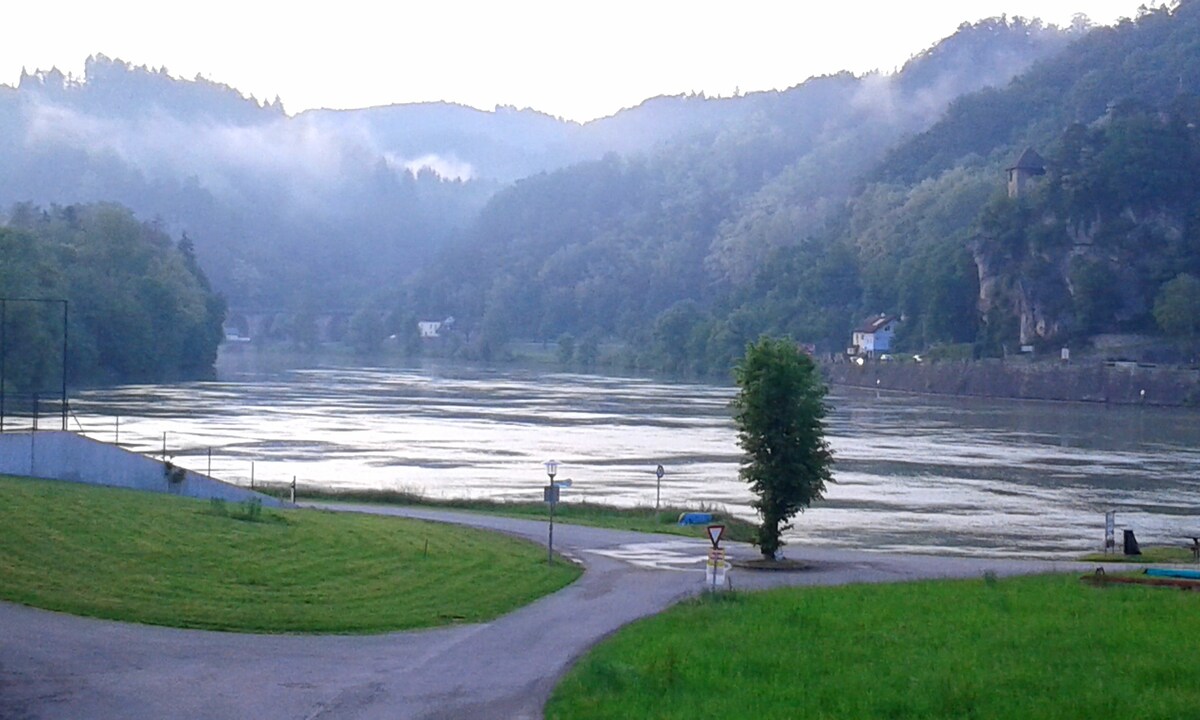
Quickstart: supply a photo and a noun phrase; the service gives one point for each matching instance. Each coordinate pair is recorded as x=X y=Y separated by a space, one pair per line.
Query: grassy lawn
x=165 y=560
x=639 y=519
x=1041 y=647
x=1150 y=554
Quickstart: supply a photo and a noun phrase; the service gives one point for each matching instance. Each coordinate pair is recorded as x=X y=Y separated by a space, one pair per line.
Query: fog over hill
x=328 y=207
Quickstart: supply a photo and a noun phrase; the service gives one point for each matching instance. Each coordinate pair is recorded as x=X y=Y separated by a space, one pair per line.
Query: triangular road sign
x=714 y=534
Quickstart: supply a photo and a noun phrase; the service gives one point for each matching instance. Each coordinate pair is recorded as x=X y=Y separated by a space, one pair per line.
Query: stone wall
x=1118 y=383
x=57 y=455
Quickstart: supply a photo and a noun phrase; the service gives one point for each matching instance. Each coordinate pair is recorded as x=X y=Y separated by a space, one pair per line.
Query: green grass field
x=1041 y=647
x=165 y=560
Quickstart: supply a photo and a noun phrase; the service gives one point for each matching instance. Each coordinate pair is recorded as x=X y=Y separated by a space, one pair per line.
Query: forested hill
x=847 y=197
x=683 y=227
x=140 y=308
x=615 y=247
x=1091 y=246
x=324 y=208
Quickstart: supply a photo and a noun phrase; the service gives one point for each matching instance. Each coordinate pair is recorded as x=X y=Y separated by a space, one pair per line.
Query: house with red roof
x=874 y=336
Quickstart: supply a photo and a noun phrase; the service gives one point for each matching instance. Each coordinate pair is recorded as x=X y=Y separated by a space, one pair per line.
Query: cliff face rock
x=1057 y=280
x=1026 y=292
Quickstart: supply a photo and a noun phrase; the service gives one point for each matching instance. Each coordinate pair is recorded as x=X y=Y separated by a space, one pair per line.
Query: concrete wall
x=57 y=455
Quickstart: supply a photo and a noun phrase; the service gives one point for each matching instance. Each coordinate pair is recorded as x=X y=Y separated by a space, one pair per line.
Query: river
x=913 y=473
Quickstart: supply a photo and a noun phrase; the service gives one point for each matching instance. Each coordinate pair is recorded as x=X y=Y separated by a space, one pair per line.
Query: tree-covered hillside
x=683 y=228
x=688 y=251
x=140 y=308
x=938 y=241
x=323 y=208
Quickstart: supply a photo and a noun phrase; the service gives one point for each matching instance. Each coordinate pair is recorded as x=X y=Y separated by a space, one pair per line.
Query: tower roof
x=1030 y=160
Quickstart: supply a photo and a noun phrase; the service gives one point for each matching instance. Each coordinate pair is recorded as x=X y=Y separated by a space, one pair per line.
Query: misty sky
x=578 y=59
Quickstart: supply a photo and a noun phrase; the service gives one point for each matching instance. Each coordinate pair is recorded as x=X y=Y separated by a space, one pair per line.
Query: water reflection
x=914 y=473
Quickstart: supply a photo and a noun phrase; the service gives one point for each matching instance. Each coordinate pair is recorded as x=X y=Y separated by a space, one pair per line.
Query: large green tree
x=780 y=413
x=141 y=309
x=1176 y=309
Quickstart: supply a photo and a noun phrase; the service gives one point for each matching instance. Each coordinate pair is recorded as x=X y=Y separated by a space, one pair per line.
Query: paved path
x=60 y=666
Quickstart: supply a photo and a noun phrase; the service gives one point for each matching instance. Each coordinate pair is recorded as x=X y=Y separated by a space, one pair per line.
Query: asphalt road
x=61 y=666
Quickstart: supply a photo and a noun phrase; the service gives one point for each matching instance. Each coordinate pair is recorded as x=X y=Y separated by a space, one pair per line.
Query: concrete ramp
x=59 y=455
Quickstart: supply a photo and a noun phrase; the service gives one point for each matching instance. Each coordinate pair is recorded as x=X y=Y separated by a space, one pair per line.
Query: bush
x=251 y=510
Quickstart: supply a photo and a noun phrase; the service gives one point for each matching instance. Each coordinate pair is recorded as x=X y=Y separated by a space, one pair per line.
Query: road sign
x=714 y=534
x=550 y=494
x=660 y=472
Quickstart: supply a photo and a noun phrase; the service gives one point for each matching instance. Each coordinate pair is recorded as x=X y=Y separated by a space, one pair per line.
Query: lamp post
x=552 y=498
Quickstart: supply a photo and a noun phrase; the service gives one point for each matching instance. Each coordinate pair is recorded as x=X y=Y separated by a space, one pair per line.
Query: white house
x=434 y=328
x=874 y=336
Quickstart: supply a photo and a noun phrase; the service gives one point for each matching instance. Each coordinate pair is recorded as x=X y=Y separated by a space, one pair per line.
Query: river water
x=913 y=473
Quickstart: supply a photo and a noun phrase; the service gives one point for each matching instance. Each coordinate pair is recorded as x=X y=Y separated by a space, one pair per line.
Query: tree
x=1175 y=308
x=780 y=413
x=366 y=331
x=566 y=348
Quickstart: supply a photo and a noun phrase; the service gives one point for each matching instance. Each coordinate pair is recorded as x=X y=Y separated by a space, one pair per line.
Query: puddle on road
x=669 y=555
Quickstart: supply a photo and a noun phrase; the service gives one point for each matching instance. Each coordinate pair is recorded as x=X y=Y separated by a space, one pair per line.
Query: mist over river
x=914 y=473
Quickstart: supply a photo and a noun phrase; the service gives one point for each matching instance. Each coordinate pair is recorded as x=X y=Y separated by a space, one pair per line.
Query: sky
x=576 y=59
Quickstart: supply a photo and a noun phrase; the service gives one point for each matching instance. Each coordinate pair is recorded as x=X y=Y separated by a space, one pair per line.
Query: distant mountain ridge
x=331 y=206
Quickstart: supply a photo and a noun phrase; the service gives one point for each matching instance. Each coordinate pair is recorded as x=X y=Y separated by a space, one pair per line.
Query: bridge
x=242 y=325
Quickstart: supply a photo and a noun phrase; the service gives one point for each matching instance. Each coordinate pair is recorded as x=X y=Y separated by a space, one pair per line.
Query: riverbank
x=642 y=518
x=1112 y=383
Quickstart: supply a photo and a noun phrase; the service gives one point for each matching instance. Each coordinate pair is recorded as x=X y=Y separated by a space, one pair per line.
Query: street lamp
x=551 y=494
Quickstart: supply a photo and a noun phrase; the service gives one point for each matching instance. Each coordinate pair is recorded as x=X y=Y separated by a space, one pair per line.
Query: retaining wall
x=1118 y=383
x=58 y=455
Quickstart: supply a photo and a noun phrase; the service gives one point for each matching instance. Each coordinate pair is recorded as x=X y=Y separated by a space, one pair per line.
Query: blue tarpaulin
x=1168 y=573
x=695 y=518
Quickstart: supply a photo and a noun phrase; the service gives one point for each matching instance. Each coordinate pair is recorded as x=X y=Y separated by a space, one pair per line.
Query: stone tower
x=1028 y=166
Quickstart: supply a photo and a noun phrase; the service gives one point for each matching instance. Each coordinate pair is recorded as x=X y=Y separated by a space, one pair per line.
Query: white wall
x=58 y=455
